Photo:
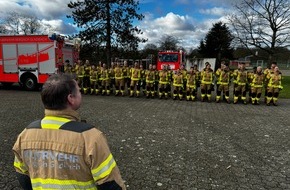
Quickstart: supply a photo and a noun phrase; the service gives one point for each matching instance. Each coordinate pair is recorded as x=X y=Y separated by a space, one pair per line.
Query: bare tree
x=2 y=29
x=13 y=22
x=30 y=24
x=20 y=23
x=264 y=24
x=168 y=42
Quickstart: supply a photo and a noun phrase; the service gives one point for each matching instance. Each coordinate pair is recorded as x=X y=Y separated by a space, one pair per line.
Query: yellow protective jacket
x=240 y=77
x=118 y=73
x=257 y=80
x=104 y=75
x=178 y=80
x=59 y=152
x=275 y=80
x=150 y=76
x=135 y=74
x=163 y=77
x=191 y=80
x=223 y=77
x=207 y=77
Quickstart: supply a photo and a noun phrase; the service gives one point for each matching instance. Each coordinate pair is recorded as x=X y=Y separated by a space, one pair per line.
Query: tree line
x=107 y=30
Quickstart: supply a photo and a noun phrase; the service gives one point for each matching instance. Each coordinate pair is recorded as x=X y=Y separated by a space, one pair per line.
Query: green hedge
x=285 y=93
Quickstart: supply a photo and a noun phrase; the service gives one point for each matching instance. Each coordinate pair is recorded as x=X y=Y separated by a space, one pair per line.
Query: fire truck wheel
x=29 y=83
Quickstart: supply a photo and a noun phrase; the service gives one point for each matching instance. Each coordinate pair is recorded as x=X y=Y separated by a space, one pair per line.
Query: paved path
x=172 y=145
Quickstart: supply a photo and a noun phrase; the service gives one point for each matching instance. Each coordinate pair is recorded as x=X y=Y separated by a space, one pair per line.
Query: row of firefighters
x=184 y=84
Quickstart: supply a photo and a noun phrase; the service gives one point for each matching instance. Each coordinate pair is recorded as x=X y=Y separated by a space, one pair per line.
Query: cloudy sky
x=187 y=20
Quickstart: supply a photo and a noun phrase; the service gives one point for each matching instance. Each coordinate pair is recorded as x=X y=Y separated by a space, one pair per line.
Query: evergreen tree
x=107 y=23
x=217 y=43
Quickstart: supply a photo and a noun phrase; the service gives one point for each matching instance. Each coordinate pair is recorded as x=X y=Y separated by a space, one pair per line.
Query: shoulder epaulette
x=34 y=125
x=75 y=126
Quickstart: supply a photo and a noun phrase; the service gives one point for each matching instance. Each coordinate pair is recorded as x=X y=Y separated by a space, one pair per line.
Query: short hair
x=56 y=90
x=274 y=62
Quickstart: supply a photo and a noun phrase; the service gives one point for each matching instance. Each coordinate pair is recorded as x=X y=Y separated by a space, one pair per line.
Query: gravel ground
x=172 y=145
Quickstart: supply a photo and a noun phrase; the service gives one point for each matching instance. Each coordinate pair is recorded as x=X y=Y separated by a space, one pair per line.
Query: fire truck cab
x=171 y=59
x=30 y=59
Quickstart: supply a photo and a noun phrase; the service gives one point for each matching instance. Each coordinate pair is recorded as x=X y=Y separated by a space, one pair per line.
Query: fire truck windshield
x=168 y=57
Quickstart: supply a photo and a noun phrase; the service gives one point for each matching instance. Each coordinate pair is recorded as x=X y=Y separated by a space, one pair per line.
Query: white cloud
x=216 y=11
x=49 y=12
x=188 y=30
x=60 y=26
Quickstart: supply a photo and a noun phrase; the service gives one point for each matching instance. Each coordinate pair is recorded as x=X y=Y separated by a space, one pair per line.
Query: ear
x=70 y=99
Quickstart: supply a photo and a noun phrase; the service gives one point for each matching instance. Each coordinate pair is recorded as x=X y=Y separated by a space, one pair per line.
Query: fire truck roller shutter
x=29 y=81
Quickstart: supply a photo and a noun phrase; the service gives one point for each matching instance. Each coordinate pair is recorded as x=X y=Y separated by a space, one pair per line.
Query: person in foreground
x=59 y=151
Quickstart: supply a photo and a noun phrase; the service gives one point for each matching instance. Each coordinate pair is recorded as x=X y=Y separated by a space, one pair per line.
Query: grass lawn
x=285 y=93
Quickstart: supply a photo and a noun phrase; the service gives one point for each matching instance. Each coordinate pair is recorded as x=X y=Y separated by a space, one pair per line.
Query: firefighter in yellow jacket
x=163 y=82
x=206 y=82
x=267 y=72
x=142 y=81
x=240 y=76
x=191 y=79
x=178 y=85
x=257 y=83
x=59 y=151
x=105 y=78
x=112 y=82
x=135 y=78
x=94 y=77
x=223 y=76
x=274 y=86
x=80 y=76
x=119 y=80
x=86 y=79
x=150 y=79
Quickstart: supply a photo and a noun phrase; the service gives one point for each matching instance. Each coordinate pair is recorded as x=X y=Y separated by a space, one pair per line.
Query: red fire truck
x=173 y=59
x=30 y=59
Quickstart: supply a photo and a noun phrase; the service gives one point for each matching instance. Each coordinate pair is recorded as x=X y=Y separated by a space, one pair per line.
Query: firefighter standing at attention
x=257 y=82
x=266 y=72
x=156 y=82
x=105 y=78
x=59 y=151
x=94 y=76
x=191 y=85
x=206 y=82
x=274 y=86
x=135 y=78
x=80 y=76
x=223 y=76
x=86 y=79
x=119 y=80
x=197 y=75
x=150 y=79
x=126 y=74
x=240 y=80
x=184 y=74
x=112 y=77
x=142 y=82
x=163 y=82
x=170 y=80
x=177 y=85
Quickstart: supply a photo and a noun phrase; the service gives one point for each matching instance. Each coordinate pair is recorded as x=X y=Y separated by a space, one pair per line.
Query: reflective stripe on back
x=39 y=183
x=60 y=123
x=52 y=122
